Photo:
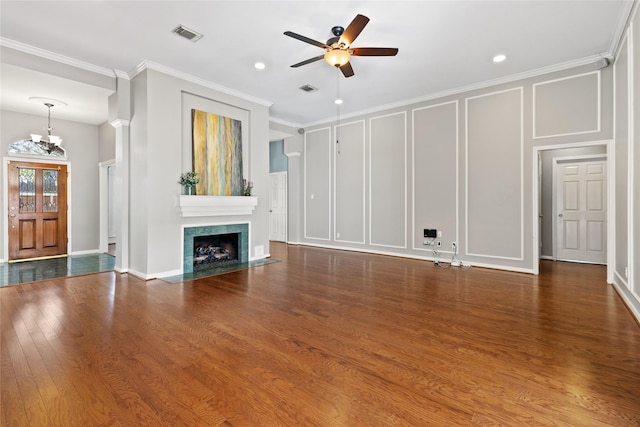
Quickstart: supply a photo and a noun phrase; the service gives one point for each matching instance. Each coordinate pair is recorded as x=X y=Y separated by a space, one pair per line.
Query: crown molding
x=46 y=54
x=121 y=74
x=284 y=122
x=119 y=123
x=456 y=91
x=629 y=9
x=146 y=64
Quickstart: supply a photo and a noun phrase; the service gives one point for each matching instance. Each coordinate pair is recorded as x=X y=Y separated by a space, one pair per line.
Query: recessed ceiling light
x=259 y=65
x=338 y=101
x=499 y=58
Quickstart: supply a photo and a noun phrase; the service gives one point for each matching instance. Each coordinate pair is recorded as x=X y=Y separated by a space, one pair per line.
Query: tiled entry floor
x=76 y=265
x=73 y=265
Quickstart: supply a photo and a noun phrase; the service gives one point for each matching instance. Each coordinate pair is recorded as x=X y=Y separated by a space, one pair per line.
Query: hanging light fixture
x=336 y=56
x=49 y=141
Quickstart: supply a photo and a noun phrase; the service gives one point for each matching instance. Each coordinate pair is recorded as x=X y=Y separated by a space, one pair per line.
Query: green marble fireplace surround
x=210 y=230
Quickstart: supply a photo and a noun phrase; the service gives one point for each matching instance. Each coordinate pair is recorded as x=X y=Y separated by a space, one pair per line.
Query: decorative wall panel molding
x=435 y=173
x=349 y=183
x=317 y=184
x=567 y=106
x=388 y=180
x=494 y=193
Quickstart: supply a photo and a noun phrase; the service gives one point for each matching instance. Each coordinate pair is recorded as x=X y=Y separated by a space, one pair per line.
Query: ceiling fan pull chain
x=337 y=108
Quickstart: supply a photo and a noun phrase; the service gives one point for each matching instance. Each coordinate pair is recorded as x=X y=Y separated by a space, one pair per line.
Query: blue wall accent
x=277 y=159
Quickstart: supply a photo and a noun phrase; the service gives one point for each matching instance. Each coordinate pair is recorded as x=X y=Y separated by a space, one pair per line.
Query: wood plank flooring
x=322 y=338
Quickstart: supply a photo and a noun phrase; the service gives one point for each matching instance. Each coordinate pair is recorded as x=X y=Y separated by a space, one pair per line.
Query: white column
x=119 y=118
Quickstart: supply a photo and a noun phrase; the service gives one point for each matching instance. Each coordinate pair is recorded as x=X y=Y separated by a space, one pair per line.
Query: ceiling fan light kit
x=337 y=57
x=338 y=48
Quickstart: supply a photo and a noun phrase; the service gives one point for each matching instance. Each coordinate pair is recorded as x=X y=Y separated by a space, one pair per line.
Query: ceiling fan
x=338 y=48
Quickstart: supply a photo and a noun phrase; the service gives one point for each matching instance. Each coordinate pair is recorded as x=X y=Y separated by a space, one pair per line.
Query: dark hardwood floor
x=322 y=338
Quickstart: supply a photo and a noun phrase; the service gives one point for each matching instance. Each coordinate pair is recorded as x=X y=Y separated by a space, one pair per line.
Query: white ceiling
x=444 y=46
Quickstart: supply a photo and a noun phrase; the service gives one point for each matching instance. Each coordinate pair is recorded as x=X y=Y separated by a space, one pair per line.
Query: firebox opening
x=215 y=251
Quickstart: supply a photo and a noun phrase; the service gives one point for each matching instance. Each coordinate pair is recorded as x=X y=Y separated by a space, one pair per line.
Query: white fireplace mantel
x=194 y=206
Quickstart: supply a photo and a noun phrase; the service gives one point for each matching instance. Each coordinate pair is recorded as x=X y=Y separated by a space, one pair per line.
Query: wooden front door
x=37 y=215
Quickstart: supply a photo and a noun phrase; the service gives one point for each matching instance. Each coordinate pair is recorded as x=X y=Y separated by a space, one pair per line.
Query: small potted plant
x=247 y=186
x=189 y=180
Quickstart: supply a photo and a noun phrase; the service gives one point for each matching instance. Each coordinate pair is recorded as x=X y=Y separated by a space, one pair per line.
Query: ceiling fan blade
x=374 y=51
x=308 y=61
x=347 y=70
x=353 y=30
x=305 y=39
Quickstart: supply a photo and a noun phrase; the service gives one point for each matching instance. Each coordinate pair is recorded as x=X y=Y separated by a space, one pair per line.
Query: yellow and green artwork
x=217 y=154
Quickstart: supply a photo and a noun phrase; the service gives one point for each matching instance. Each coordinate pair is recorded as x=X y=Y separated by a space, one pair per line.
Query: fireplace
x=217 y=250
x=213 y=246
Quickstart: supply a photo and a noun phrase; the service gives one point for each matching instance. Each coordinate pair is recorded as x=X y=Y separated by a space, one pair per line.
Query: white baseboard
x=422 y=257
x=140 y=275
x=88 y=252
x=631 y=301
x=167 y=274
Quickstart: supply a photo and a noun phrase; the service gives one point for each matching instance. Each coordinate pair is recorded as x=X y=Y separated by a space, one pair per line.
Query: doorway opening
x=549 y=225
x=278 y=221
x=107 y=207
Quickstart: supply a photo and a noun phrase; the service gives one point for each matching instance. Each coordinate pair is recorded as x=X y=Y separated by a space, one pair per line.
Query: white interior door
x=581 y=211
x=278 y=207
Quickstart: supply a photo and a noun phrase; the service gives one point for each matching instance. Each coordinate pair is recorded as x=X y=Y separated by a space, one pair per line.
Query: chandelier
x=48 y=142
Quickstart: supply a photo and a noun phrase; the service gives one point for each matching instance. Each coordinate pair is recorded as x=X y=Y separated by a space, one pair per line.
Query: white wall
x=81 y=144
x=160 y=139
x=460 y=164
x=107 y=145
x=626 y=256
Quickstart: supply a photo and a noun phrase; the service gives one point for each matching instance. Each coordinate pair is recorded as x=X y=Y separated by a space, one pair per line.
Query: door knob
x=12 y=215
x=560 y=215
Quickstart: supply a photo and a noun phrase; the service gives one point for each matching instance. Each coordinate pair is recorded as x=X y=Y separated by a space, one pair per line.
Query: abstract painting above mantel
x=217 y=154
x=27 y=147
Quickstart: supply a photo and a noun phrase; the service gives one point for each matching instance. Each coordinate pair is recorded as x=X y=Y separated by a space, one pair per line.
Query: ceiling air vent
x=308 y=88
x=187 y=33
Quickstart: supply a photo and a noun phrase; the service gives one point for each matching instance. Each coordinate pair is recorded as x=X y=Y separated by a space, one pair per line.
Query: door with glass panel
x=37 y=195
